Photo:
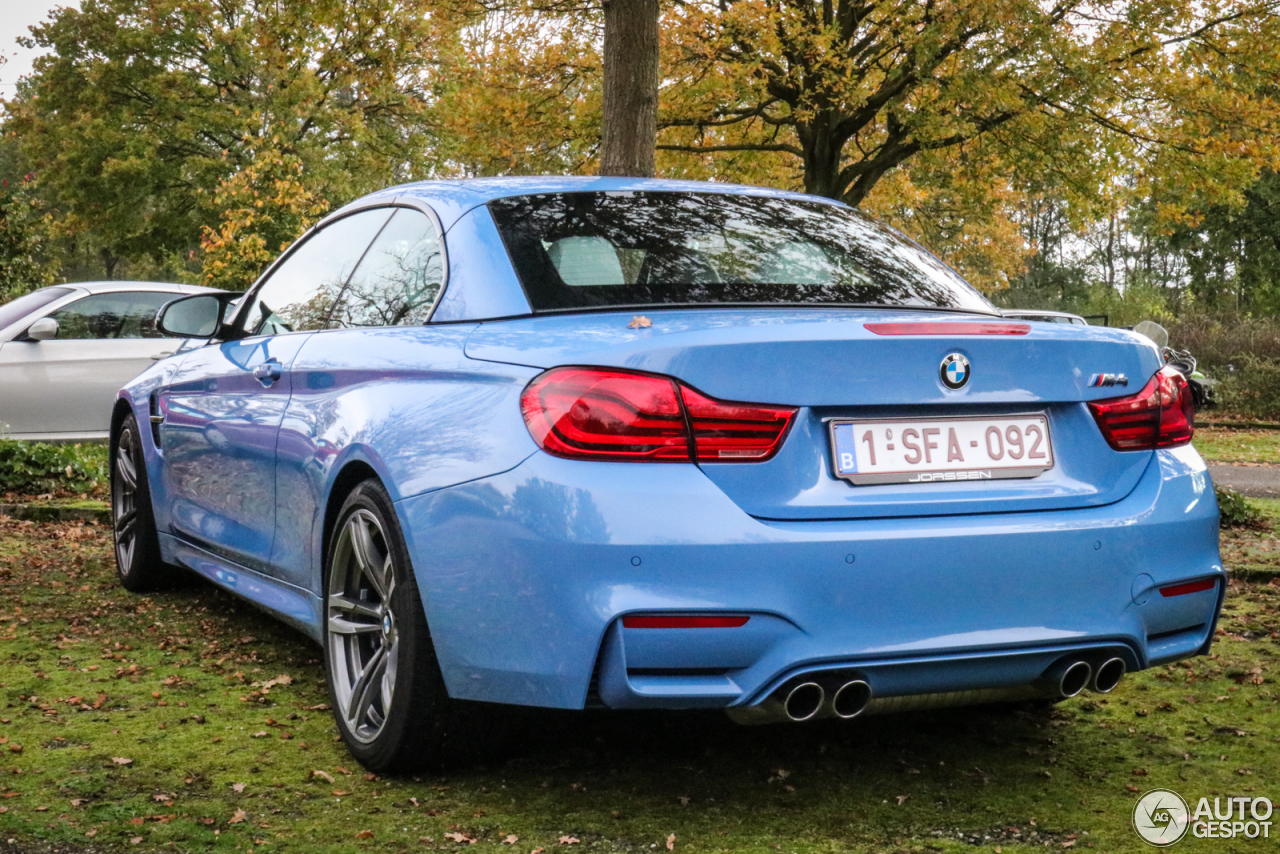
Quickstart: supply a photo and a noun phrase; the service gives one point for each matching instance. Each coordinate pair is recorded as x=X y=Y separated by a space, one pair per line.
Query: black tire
x=137 y=547
x=404 y=721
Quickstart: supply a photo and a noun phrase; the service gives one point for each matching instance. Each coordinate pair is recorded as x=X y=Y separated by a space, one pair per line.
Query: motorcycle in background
x=1202 y=388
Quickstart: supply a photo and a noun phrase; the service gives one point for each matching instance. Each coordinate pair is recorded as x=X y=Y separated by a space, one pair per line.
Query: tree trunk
x=630 y=128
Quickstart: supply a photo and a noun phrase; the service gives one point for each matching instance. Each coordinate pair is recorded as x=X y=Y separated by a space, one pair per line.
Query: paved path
x=1257 y=481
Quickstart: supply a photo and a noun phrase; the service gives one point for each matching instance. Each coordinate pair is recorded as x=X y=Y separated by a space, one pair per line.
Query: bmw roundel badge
x=954 y=371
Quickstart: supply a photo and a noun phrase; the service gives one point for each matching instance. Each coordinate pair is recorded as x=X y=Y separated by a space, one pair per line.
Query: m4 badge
x=1103 y=380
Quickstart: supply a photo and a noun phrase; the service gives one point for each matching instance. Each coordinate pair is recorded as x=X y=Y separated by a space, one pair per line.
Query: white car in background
x=65 y=352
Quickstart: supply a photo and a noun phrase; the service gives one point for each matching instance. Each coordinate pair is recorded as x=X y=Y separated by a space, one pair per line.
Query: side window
x=398 y=281
x=130 y=314
x=301 y=293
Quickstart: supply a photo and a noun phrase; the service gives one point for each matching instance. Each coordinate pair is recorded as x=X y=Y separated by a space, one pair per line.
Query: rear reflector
x=605 y=414
x=683 y=622
x=1189 y=587
x=944 y=328
x=1162 y=415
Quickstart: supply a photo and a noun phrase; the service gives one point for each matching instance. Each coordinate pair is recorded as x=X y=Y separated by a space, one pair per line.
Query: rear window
x=13 y=311
x=588 y=250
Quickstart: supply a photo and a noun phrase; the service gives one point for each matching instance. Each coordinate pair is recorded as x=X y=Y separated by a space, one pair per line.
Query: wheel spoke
x=126 y=469
x=366 y=555
x=343 y=626
x=125 y=526
x=388 y=581
x=124 y=552
x=389 y=674
x=365 y=690
x=355 y=607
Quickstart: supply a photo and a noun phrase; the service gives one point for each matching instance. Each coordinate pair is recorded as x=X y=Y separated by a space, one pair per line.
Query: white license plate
x=933 y=450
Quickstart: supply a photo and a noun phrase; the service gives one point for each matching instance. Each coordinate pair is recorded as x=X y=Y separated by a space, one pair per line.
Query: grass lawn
x=188 y=721
x=1229 y=445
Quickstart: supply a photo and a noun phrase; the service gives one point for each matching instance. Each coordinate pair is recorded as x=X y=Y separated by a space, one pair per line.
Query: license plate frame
x=940 y=473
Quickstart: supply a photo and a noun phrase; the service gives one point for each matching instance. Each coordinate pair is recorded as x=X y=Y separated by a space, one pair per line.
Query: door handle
x=267 y=372
x=158 y=356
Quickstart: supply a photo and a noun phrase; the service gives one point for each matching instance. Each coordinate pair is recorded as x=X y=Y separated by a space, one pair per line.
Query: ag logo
x=1161 y=817
x=954 y=372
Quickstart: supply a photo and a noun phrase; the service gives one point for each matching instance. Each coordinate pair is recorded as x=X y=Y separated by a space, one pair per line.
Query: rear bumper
x=525 y=576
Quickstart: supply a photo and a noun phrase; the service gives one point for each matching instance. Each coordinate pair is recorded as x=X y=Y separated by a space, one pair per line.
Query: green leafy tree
x=1232 y=253
x=26 y=262
x=263 y=207
x=140 y=108
x=850 y=90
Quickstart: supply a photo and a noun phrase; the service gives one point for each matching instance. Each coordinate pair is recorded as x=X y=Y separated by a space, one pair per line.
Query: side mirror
x=196 y=316
x=44 y=329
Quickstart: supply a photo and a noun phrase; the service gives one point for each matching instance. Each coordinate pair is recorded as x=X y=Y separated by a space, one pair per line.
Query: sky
x=15 y=17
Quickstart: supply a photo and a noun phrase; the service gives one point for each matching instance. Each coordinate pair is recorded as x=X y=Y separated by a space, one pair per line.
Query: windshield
x=585 y=250
x=12 y=312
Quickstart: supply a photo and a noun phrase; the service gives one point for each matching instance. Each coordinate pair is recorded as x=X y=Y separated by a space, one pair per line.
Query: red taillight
x=1190 y=587
x=602 y=414
x=683 y=622
x=1162 y=415
x=948 y=328
x=734 y=432
x=606 y=415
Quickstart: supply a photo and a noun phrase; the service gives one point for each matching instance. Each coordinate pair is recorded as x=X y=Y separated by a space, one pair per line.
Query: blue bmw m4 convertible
x=620 y=443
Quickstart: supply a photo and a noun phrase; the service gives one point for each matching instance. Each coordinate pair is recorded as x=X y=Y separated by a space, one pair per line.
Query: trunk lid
x=830 y=365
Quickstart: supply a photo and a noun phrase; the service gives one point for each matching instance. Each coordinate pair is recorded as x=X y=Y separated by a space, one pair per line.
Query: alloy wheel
x=363 y=634
x=124 y=501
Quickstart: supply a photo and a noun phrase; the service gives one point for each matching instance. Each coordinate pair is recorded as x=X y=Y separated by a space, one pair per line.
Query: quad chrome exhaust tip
x=1108 y=675
x=804 y=701
x=851 y=699
x=1068 y=678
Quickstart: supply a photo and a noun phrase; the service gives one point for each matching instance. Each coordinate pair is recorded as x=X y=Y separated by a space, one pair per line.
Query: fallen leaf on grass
x=671 y=842
x=282 y=679
x=137 y=819
x=15 y=748
x=460 y=838
x=511 y=839
x=569 y=840
x=339 y=793
x=323 y=775
x=239 y=817
x=1132 y=788
x=365 y=834
x=259 y=734
x=135 y=840
x=901 y=799
x=120 y=760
